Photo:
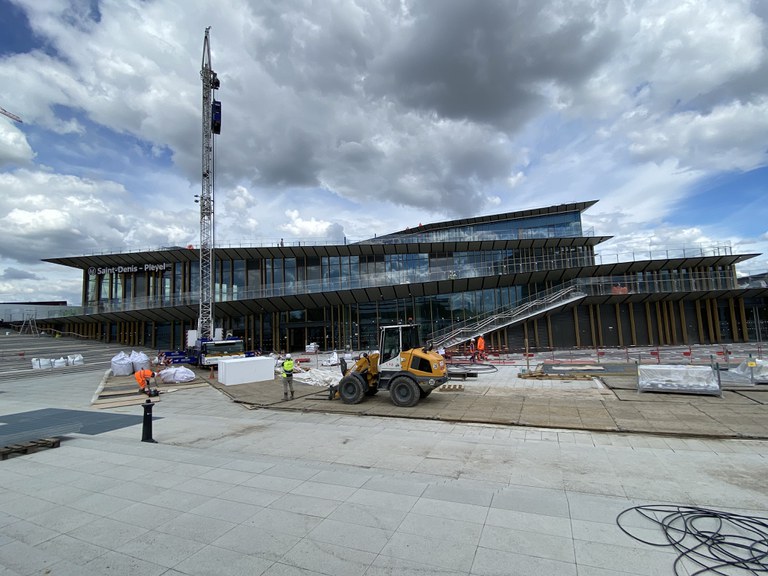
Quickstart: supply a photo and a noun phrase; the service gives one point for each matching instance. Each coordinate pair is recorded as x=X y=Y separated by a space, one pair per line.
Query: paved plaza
x=233 y=488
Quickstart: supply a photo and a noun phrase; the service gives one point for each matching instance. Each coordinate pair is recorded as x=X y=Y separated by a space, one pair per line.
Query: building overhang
x=165 y=256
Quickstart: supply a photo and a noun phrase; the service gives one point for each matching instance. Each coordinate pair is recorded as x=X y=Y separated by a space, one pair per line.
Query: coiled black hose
x=458 y=368
x=712 y=541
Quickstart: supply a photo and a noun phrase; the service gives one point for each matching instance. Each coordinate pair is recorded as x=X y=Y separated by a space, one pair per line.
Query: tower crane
x=5 y=112
x=211 y=126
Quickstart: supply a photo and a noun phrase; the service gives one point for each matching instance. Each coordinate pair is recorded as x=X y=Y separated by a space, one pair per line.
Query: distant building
x=12 y=313
x=522 y=278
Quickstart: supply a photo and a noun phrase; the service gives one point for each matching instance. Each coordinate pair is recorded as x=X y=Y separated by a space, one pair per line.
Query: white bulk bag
x=121 y=365
x=38 y=363
x=176 y=374
x=139 y=360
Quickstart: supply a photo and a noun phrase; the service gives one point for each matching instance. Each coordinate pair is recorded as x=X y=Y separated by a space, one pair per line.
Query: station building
x=481 y=273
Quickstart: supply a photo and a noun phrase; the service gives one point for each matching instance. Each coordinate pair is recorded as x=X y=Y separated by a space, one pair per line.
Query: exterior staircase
x=534 y=305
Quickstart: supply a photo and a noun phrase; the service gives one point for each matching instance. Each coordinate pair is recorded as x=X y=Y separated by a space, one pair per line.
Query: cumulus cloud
x=10 y=274
x=359 y=117
x=14 y=147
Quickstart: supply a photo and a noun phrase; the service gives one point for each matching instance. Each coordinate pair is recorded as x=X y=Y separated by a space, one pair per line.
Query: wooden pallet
x=28 y=447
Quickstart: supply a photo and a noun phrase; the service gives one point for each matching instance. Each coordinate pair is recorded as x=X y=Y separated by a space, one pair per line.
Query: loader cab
x=397 y=339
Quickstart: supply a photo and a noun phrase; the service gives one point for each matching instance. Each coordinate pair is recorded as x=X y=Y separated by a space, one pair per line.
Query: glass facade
x=560 y=225
x=442 y=278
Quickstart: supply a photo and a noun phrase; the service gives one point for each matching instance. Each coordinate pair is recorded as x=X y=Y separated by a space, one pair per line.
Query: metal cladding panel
x=372 y=294
x=387 y=293
x=534 y=277
x=653 y=266
x=360 y=295
x=307 y=301
x=346 y=296
x=475 y=283
x=571 y=273
x=232 y=308
x=608 y=270
x=402 y=291
x=490 y=282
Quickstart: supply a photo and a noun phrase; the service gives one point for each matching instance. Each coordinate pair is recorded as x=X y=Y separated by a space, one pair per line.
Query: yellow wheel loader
x=409 y=371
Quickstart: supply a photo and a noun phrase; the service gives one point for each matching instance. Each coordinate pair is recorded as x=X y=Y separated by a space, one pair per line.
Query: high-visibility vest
x=288 y=366
x=142 y=375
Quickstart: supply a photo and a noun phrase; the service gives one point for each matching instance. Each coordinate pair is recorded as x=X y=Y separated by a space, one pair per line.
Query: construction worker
x=142 y=379
x=481 y=347
x=472 y=352
x=287 y=376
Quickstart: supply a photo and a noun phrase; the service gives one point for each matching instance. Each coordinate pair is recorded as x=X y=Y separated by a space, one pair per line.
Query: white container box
x=234 y=371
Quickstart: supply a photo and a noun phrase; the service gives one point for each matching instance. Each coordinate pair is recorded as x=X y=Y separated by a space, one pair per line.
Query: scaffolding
x=29 y=325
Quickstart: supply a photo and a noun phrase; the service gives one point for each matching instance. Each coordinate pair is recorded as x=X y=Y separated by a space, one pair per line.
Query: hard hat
x=473 y=339
x=287 y=355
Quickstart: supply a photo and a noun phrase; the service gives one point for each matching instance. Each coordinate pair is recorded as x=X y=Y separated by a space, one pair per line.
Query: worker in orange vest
x=481 y=347
x=142 y=379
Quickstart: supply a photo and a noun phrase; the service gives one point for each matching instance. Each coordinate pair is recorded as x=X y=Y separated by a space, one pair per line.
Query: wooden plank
x=16 y=437
x=121 y=403
x=28 y=447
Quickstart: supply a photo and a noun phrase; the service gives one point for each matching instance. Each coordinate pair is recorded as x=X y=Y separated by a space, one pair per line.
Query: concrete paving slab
x=288 y=492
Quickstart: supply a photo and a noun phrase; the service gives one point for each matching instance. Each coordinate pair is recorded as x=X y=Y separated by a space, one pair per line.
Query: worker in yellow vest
x=287 y=376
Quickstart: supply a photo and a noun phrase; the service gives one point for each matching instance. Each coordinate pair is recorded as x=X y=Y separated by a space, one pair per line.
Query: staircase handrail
x=491 y=320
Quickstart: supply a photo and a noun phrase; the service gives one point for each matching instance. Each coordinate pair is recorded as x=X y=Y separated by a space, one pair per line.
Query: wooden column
x=683 y=324
x=734 y=322
x=743 y=314
x=708 y=310
x=632 y=326
x=672 y=322
x=549 y=332
x=700 y=323
x=651 y=339
x=576 y=327
x=659 y=324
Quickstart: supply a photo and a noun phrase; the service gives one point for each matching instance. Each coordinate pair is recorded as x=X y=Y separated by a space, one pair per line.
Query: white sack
x=176 y=374
x=121 y=365
x=139 y=360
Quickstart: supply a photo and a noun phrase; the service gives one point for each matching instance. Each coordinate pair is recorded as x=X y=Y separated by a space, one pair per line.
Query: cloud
x=10 y=274
x=311 y=228
x=14 y=147
x=492 y=62
x=363 y=116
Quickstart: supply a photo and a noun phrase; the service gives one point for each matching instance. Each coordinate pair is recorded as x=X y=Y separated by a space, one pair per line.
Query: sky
x=351 y=118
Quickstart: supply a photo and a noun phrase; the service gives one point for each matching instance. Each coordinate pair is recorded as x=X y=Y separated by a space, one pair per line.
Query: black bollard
x=146 y=429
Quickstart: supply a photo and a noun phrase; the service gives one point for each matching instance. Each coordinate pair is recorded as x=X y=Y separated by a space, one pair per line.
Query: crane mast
x=211 y=126
x=5 y=112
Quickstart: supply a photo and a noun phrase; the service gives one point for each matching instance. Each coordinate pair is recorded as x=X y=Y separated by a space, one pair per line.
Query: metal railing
x=531 y=306
x=573 y=291
x=687 y=282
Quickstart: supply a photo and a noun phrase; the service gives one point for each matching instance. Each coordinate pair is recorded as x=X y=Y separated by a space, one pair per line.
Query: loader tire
x=351 y=389
x=404 y=392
